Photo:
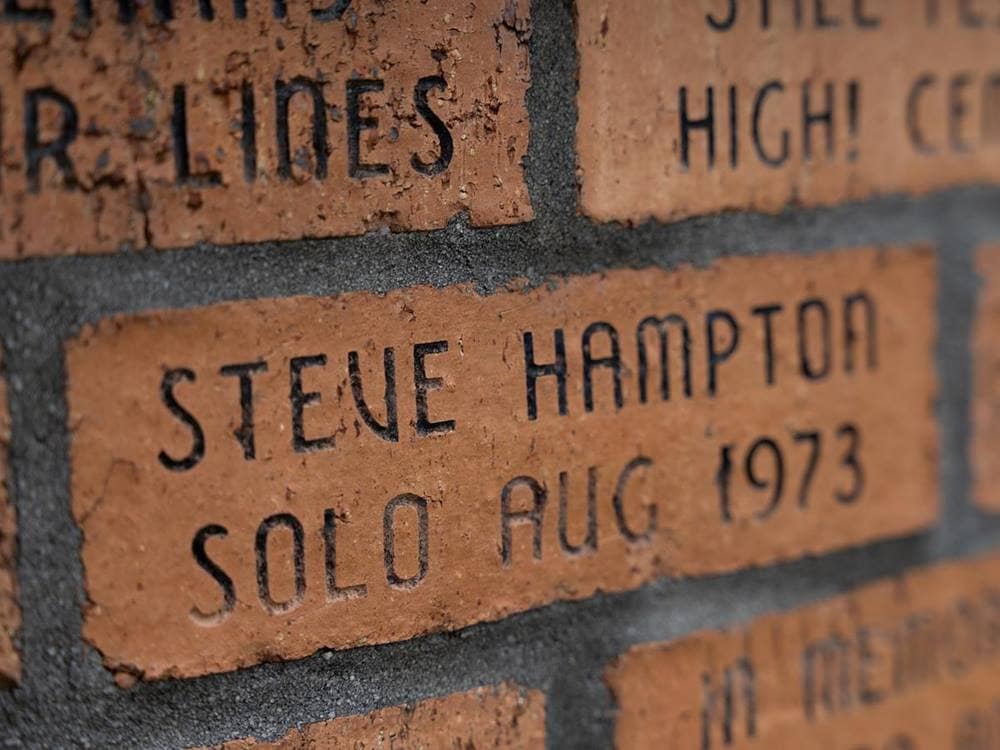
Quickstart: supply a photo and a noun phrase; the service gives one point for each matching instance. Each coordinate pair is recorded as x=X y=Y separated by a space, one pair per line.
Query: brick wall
x=67 y=698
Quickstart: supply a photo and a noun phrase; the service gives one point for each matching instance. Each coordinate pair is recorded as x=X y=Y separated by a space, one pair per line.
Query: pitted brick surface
x=154 y=125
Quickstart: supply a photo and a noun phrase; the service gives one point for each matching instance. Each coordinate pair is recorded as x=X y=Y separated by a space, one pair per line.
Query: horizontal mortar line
x=150 y=280
x=580 y=229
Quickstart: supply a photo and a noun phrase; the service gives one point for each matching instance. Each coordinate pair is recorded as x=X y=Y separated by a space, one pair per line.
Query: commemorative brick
x=688 y=108
x=499 y=717
x=258 y=480
x=169 y=123
x=10 y=611
x=986 y=376
x=903 y=664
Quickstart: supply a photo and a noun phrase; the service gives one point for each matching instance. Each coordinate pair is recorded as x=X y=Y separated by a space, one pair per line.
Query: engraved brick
x=257 y=480
x=806 y=103
x=171 y=123
x=901 y=664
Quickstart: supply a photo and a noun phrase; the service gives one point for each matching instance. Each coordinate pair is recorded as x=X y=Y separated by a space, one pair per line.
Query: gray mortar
x=67 y=699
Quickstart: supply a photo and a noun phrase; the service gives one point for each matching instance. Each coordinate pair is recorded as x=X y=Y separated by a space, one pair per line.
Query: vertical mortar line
x=48 y=572
x=550 y=165
x=580 y=685
x=958 y=292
